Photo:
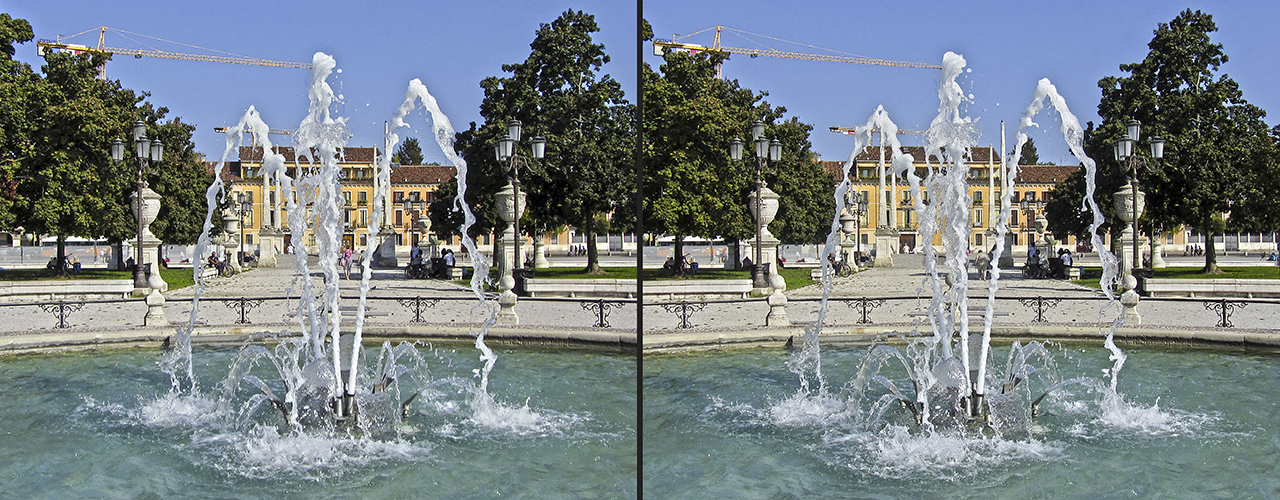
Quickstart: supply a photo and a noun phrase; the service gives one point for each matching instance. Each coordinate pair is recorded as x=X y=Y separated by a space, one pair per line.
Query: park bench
x=12 y=291
x=1224 y=287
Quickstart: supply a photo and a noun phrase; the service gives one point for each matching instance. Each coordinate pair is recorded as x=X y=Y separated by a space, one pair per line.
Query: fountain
x=934 y=405
x=313 y=408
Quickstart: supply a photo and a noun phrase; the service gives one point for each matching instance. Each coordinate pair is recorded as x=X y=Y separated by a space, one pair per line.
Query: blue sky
x=1009 y=46
x=451 y=46
x=379 y=46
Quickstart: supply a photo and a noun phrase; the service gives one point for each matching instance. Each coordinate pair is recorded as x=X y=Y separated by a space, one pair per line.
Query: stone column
x=150 y=244
x=768 y=209
x=509 y=207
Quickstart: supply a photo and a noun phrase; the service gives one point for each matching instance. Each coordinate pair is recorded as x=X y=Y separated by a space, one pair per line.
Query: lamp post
x=767 y=153
x=860 y=213
x=146 y=150
x=243 y=206
x=1124 y=154
x=506 y=152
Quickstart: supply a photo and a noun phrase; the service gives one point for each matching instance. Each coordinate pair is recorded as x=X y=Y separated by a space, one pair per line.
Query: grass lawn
x=176 y=278
x=1093 y=275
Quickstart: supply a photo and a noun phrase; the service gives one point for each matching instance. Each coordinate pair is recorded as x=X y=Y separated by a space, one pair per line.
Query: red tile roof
x=1044 y=174
x=423 y=174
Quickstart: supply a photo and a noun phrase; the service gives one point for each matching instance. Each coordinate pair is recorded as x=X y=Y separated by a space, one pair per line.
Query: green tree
x=692 y=186
x=58 y=177
x=409 y=153
x=1029 y=155
x=1213 y=135
x=585 y=121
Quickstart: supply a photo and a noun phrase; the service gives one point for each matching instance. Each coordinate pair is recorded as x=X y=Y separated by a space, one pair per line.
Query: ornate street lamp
x=242 y=207
x=1124 y=154
x=505 y=150
x=768 y=153
x=146 y=150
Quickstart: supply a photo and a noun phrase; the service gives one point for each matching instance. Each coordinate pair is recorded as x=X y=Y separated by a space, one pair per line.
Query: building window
x=364 y=218
x=1013 y=218
x=977 y=217
x=399 y=239
x=364 y=240
x=977 y=197
x=977 y=239
x=363 y=197
x=248 y=239
x=399 y=218
x=1031 y=196
x=398 y=197
x=346 y=197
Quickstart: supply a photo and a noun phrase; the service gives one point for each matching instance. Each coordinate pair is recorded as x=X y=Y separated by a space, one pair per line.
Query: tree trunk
x=1210 y=260
x=678 y=255
x=593 y=253
x=60 y=262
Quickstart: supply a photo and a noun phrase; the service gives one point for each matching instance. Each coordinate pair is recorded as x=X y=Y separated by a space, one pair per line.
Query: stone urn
x=768 y=208
x=150 y=209
x=1125 y=201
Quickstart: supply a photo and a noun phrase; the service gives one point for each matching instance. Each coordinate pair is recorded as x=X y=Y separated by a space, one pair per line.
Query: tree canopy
x=1216 y=142
x=409 y=153
x=693 y=188
x=56 y=129
x=586 y=122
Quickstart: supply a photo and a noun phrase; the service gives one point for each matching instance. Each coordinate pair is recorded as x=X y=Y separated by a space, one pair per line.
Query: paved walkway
x=392 y=306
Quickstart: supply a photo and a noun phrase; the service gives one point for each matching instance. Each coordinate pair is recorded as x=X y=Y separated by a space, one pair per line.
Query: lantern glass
x=117 y=150
x=1157 y=147
x=1118 y=149
x=497 y=151
x=1128 y=147
x=757 y=130
x=509 y=147
x=775 y=150
x=157 y=150
x=139 y=130
x=539 y=148
x=735 y=149
x=1135 y=127
x=142 y=146
x=762 y=147
x=513 y=130
x=246 y=206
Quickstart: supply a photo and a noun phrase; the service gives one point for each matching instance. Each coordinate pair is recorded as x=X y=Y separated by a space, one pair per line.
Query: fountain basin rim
x=777 y=337
x=602 y=340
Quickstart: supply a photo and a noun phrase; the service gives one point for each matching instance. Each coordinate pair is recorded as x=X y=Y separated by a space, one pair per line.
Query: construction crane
x=274 y=131
x=59 y=44
x=661 y=45
x=849 y=131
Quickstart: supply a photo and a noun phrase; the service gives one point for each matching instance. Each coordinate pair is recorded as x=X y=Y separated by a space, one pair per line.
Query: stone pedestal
x=1006 y=258
x=540 y=255
x=848 y=239
x=1129 y=299
x=1125 y=199
x=387 y=249
x=763 y=210
x=269 y=239
x=1157 y=254
x=777 y=303
x=146 y=212
x=510 y=207
x=886 y=241
x=231 y=244
x=155 y=303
